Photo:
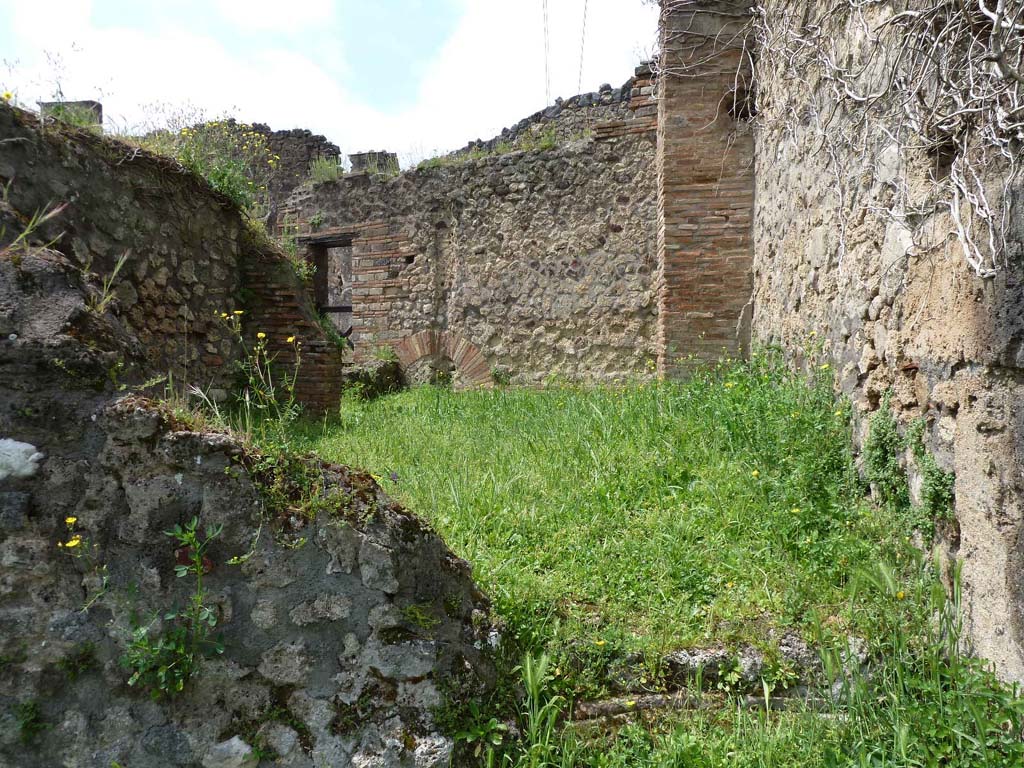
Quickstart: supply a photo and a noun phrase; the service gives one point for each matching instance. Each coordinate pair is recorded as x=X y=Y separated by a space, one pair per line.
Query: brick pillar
x=705 y=186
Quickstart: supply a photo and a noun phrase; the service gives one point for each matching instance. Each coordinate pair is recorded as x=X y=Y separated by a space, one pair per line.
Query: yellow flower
x=599 y=643
x=74 y=541
x=755 y=474
x=7 y=96
x=824 y=366
x=730 y=584
x=261 y=335
x=839 y=413
x=70 y=520
x=291 y=339
x=900 y=595
x=730 y=384
x=796 y=510
x=238 y=312
x=223 y=315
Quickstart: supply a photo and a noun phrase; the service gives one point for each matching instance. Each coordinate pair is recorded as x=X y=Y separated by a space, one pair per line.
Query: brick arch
x=468 y=360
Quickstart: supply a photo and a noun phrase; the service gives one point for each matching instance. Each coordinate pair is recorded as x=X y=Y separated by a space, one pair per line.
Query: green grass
x=612 y=525
x=635 y=519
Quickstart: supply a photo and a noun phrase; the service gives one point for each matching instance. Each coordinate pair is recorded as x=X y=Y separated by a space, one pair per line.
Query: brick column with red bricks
x=706 y=185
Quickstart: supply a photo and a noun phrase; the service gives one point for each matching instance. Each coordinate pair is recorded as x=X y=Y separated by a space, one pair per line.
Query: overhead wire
x=583 y=40
x=547 y=55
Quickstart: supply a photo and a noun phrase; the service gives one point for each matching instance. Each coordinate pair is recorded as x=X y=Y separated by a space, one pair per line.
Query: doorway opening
x=332 y=280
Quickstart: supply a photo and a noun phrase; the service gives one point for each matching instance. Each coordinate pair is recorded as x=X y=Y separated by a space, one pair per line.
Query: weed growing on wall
x=233 y=157
x=263 y=412
x=937 y=501
x=542 y=140
x=264 y=406
x=884 y=470
x=82 y=549
x=162 y=661
x=324 y=169
x=21 y=243
x=882 y=450
x=100 y=301
x=29 y=718
x=73 y=114
x=288 y=240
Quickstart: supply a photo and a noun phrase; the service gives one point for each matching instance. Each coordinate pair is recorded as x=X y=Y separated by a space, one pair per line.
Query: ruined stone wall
x=856 y=259
x=587 y=113
x=182 y=242
x=297 y=149
x=188 y=256
x=344 y=622
x=542 y=262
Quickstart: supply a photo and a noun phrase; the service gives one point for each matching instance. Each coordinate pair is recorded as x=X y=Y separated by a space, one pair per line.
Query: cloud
x=271 y=14
x=489 y=73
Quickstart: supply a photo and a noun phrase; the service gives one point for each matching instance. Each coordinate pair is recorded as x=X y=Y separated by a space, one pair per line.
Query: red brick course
x=643 y=106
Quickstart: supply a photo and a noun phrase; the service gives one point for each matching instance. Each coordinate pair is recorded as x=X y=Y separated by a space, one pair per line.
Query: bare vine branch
x=942 y=79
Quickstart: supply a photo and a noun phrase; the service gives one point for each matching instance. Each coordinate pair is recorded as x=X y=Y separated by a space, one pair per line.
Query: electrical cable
x=583 y=40
x=547 y=56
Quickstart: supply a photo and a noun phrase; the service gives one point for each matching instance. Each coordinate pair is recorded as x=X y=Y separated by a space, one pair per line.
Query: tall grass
x=611 y=525
x=633 y=519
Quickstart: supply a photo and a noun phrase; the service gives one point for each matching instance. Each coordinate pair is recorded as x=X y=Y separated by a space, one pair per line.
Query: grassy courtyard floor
x=611 y=525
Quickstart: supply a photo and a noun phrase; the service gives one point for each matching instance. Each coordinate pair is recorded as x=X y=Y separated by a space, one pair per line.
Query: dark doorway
x=332 y=280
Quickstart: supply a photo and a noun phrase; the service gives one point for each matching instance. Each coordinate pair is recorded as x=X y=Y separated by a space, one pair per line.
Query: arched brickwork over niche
x=470 y=367
x=705 y=185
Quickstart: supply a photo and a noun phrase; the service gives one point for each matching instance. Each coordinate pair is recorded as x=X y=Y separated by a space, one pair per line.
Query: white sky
x=485 y=72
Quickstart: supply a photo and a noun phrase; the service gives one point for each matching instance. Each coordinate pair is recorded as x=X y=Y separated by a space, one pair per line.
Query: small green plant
x=778 y=674
x=289 y=243
x=385 y=354
x=77 y=115
x=265 y=405
x=937 y=485
x=729 y=676
x=29 y=716
x=10 y=658
x=316 y=220
x=100 y=303
x=539 y=141
x=80 y=660
x=501 y=375
x=388 y=169
x=543 y=742
x=420 y=616
x=82 y=548
x=882 y=450
x=163 y=663
x=20 y=246
x=333 y=335
x=324 y=169
x=483 y=734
